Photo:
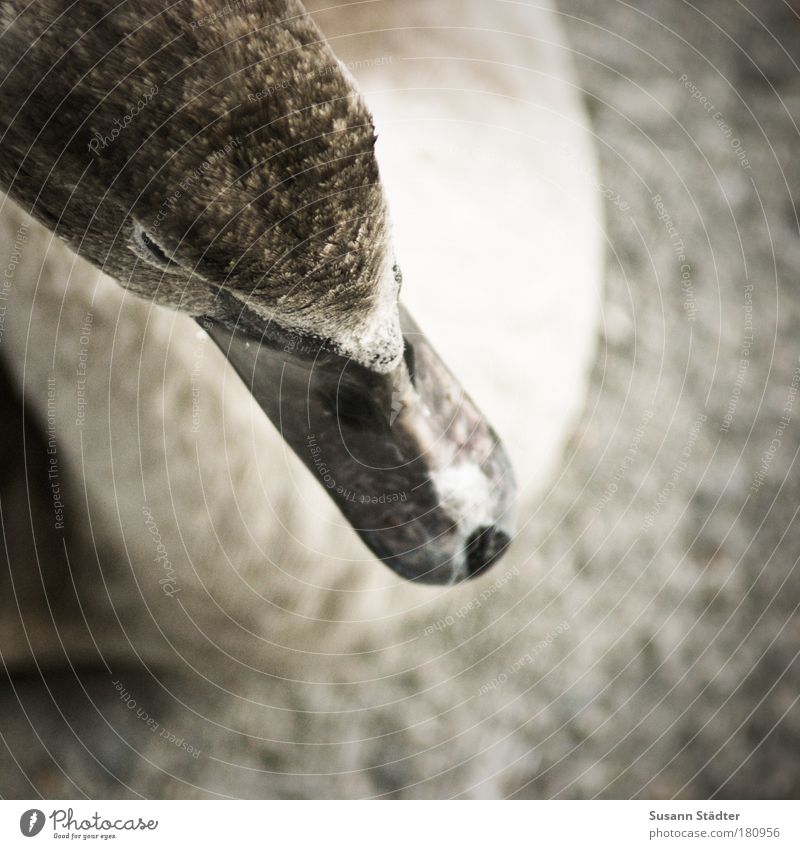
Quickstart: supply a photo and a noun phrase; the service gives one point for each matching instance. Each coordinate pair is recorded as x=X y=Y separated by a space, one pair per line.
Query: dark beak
x=407 y=457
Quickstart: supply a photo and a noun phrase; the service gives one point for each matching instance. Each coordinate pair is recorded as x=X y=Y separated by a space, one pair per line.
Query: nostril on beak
x=484 y=547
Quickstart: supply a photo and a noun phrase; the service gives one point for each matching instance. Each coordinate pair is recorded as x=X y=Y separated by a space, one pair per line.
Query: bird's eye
x=398 y=277
x=147 y=248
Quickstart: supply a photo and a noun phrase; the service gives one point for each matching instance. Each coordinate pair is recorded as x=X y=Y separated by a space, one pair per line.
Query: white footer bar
x=408 y=825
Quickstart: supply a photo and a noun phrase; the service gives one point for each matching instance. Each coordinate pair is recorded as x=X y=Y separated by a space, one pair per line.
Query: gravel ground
x=695 y=112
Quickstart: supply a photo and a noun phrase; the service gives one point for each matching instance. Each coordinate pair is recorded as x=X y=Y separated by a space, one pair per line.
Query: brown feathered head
x=194 y=147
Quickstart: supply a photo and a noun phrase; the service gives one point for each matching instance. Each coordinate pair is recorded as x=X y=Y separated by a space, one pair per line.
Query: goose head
x=220 y=161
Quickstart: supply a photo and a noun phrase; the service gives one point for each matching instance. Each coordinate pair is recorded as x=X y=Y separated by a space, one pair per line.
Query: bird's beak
x=407 y=457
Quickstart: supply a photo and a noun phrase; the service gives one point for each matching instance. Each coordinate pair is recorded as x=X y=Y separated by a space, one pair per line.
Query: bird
x=196 y=541
x=228 y=171
x=208 y=625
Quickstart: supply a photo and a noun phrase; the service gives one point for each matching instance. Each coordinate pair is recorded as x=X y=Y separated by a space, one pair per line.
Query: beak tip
x=440 y=566
x=484 y=548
